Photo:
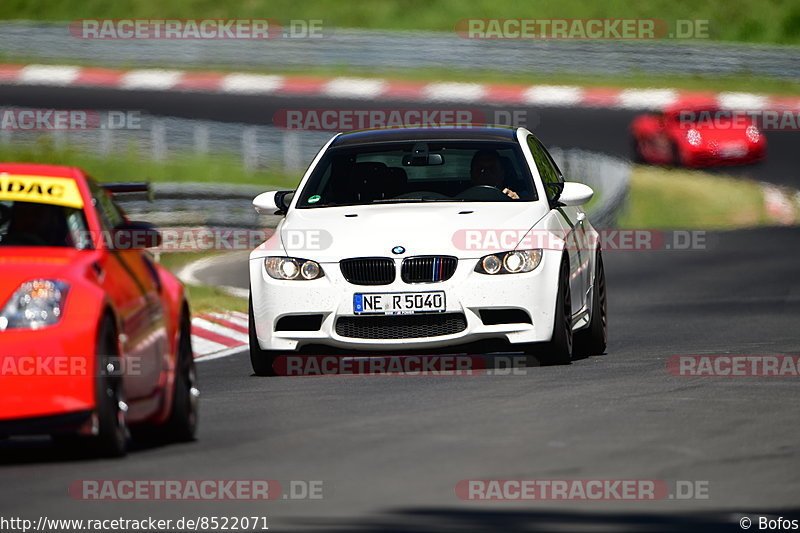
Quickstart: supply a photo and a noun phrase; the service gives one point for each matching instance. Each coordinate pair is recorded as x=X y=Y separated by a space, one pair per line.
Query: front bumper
x=467 y=293
x=50 y=371
x=65 y=423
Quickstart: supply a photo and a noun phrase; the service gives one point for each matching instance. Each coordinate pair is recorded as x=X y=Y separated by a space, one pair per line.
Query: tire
x=182 y=423
x=636 y=154
x=261 y=360
x=593 y=339
x=558 y=351
x=112 y=437
x=677 y=161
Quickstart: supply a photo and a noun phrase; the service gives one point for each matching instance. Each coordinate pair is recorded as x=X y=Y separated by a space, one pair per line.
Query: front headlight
x=292 y=268
x=694 y=138
x=35 y=304
x=514 y=262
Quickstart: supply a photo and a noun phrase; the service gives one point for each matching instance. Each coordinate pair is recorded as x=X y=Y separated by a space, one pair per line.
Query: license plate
x=398 y=303
x=733 y=151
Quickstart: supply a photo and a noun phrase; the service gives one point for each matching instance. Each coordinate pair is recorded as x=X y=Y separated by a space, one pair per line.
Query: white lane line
x=251 y=83
x=48 y=75
x=454 y=92
x=239 y=314
x=188 y=275
x=233 y=319
x=646 y=98
x=354 y=88
x=203 y=346
x=553 y=95
x=213 y=327
x=225 y=353
x=156 y=79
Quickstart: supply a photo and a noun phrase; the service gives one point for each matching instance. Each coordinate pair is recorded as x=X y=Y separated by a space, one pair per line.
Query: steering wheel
x=483 y=193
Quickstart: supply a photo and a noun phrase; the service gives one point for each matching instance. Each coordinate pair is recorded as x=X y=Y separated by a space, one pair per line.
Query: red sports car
x=696 y=134
x=94 y=334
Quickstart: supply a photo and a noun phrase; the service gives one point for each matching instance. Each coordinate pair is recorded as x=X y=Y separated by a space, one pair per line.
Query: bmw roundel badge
x=398 y=250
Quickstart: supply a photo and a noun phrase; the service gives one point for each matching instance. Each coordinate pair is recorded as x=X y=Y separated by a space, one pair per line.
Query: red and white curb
x=375 y=89
x=216 y=335
x=782 y=204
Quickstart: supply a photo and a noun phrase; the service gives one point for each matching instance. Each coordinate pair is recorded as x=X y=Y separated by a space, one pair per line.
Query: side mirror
x=135 y=235
x=273 y=202
x=575 y=193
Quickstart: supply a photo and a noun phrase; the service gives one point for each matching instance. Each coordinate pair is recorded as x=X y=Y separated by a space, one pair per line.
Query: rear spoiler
x=127 y=187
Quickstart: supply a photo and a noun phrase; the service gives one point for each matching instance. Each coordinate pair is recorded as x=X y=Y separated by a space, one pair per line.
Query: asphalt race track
x=390 y=450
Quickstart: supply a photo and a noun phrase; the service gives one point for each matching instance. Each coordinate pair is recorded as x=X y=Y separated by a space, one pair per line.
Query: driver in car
x=487 y=169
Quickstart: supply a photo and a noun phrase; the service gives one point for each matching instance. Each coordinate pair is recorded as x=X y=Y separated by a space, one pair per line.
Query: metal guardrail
x=408 y=49
x=263 y=147
x=229 y=206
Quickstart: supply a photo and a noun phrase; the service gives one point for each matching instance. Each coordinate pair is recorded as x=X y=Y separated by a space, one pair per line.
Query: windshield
x=39 y=224
x=407 y=172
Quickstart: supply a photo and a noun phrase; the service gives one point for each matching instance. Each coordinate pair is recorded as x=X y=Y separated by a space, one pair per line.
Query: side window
x=109 y=213
x=552 y=179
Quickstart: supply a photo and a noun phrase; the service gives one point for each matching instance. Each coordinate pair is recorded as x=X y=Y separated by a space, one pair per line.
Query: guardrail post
x=249 y=148
x=292 y=159
x=201 y=137
x=158 y=138
x=106 y=141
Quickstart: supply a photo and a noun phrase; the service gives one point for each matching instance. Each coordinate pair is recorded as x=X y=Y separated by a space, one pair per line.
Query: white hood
x=333 y=233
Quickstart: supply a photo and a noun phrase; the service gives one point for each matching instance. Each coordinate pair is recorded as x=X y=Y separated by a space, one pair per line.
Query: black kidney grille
x=428 y=269
x=368 y=270
x=401 y=326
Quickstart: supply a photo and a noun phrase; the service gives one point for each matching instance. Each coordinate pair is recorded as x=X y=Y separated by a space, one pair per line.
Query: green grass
x=688 y=199
x=131 y=166
x=765 y=21
x=204 y=299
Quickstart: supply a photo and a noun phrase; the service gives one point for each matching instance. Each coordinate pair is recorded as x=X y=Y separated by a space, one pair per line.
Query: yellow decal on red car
x=41 y=190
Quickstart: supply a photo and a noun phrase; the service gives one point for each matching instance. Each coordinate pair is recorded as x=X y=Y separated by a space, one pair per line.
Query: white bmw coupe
x=429 y=239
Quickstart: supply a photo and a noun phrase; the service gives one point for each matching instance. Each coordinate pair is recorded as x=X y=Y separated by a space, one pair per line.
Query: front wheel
x=261 y=360
x=558 y=351
x=592 y=340
x=182 y=423
x=112 y=436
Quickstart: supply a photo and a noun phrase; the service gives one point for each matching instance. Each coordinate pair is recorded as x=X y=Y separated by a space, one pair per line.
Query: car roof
x=427 y=133
x=36 y=169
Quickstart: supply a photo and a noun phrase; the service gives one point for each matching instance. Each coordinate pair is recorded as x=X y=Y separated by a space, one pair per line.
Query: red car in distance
x=94 y=334
x=697 y=133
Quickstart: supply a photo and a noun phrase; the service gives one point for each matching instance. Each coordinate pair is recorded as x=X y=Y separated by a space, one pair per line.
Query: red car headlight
x=694 y=138
x=752 y=133
x=35 y=304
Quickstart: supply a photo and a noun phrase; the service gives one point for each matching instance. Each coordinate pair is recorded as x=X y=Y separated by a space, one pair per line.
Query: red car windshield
x=38 y=224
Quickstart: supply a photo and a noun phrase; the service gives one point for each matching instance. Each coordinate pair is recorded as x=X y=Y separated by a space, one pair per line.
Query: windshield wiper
x=396 y=200
x=414 y=200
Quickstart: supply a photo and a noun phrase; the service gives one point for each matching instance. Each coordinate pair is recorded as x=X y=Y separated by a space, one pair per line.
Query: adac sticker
x=314 y=199
x=41 y=190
